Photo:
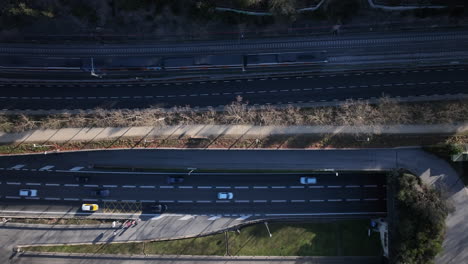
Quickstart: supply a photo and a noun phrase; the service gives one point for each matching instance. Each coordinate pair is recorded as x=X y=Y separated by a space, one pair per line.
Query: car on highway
x=157 y=208
x=82 y=179
x=101 y=192
x=28 y=193
x=89 y=207
x=308 y=180
x=225 y=195
x=174 y=179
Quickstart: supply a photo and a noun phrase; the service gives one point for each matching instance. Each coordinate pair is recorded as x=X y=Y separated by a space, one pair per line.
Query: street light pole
x=268 y=229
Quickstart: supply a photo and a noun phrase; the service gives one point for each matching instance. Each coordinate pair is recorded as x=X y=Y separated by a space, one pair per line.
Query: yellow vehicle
x=90 y=207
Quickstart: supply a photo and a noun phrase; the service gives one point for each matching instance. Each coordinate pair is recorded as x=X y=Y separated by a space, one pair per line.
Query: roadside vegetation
x=420 y=212
x=351 y=113
x=171 y=19
x=446 y=151
x=288 y=239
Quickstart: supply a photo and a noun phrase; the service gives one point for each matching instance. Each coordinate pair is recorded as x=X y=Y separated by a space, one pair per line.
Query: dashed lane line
x=109 y=186
x=71 y=185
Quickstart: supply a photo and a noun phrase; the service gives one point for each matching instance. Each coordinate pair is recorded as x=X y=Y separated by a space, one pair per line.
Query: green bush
x=421 y=221
x=444 y=151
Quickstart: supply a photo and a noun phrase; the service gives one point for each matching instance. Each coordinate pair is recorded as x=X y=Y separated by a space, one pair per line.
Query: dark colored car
x=82 y=179
x=158 y=208
x=175 y=179
x=101 y=192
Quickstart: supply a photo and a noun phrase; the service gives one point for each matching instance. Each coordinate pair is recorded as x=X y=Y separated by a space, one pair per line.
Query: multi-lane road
x=412 y=83
x=262 y=195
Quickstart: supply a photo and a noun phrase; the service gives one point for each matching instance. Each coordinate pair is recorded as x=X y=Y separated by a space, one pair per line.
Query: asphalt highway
x=312 y=88
x=259 y=194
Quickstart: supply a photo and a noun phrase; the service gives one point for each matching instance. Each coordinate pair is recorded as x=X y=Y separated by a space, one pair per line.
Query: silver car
x=225 y=195
x=28 y=193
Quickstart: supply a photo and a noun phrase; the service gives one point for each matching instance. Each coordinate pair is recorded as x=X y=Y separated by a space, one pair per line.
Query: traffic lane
x=284 y=96
x=189 y=194
x=38 y=178
x=119 y=90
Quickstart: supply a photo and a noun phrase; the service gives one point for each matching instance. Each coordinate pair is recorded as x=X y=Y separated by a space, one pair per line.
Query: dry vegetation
x=350 y=113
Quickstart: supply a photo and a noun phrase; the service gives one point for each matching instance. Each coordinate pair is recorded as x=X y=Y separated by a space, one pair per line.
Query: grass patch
x=345 y=237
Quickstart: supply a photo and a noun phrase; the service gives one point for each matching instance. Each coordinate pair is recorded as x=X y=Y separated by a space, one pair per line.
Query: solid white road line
x=76 y=168
x=297 y=201
x=71 y=199
x=312 y=214
x=129 y=201
x=12 y=197
x=243 y=217
x=316 y=187
x=214 y=218
x=186 y=217
x=166 y=201
x=148 y=201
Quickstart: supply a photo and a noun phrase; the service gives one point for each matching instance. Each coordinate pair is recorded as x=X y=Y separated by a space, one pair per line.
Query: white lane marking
x=13 y=183
x=278 y=187
x=166 y=187
x=223 y=187
x=312 y=214
x=129 y=186
x=278 y=201
x=17 y=167
x=32 y=198
x=148 y=201
x=259 y=201
x=352 y=186
x=334 y=186
x=370 y=185
x=241 y=187
x=203 y=201
x=109 y=200
x=296 y=187
x=12 y=197
x=185 y=201
x=352 y=200
x=147 y=186
x=71 y=199
x=223 y=201
x=260 y=187
x=110 y=186
x=71 y=185
x=214 y=218
x=204 y=187
x=185 y=187
x=335 y=200
x=45 y=168
x=298 y=201
x=166 y=201
x=76 y=168
x=90 y=200
x=313 y=201
x=242 y=201
x=33 y=183
x=52 y=198
x=243 y=217
x=316 y=187
x=129 y=201
x=186 y=217
x=90 y=185
x=371 y=199
x=52 y=184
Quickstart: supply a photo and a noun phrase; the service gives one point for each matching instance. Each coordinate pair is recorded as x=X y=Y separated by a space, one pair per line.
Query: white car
x=89 y=207
x=28 y=193
x=225 y=195
x=308 y=180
